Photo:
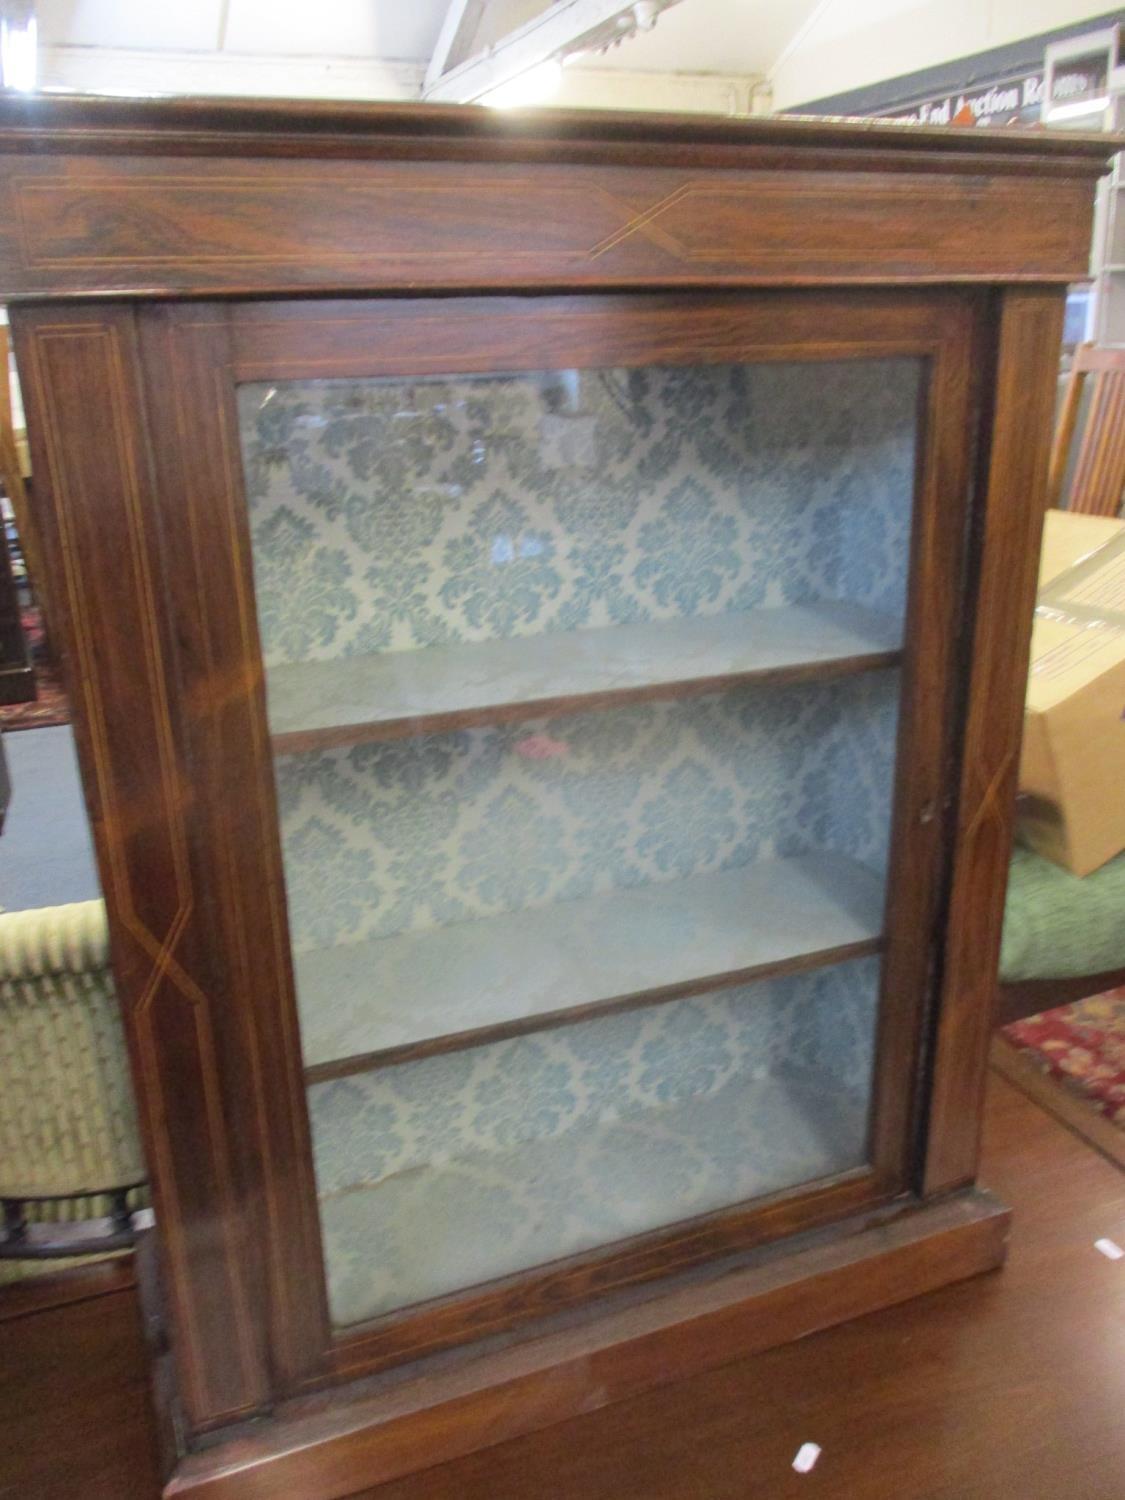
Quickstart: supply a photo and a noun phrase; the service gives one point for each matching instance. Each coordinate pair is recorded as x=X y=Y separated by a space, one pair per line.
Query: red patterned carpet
x=1082 y=1047
x=51 y=706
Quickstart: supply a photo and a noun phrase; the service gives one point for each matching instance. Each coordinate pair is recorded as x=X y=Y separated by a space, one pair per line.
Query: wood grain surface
x=327 y=128
x=218 y=1060
x=222 y=1071
x=96 y=525
x=775 y=1297
x=647 y=233
x=75 y=1408
x=1009 y=1387
x=104 y=197
x=1014 y=456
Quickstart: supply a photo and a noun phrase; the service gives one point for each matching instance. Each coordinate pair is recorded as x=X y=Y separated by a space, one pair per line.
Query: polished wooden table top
x=1011 y=1387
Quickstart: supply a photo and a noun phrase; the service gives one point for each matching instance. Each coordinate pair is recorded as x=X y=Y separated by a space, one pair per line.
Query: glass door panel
x=583 y=691
x=456 y=1169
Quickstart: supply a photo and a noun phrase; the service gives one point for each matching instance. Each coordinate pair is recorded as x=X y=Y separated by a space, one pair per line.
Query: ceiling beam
x=458 y=14
x=560 y=28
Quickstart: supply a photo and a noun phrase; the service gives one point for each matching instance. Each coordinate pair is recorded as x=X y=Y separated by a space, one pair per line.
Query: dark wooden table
x=1011 y=1387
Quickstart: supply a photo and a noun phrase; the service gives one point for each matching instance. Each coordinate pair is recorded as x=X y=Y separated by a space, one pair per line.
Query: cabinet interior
x=583 y=691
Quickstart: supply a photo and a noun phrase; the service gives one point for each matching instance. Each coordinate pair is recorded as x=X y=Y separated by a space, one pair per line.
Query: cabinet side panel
x=94 y=509
x=1014 y=460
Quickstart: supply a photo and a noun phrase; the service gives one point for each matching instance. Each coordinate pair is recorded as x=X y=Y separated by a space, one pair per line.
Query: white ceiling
x=386 y=29
x=695 y=36
x=378 y=48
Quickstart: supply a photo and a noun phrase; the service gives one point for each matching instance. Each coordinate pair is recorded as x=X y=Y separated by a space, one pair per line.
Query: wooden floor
x=1011 y=1387
x=74 y=1395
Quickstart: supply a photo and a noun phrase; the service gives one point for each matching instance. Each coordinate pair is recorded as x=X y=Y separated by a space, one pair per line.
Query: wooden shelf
x=795 y=1128
x=389 y=1000
x=318 y=704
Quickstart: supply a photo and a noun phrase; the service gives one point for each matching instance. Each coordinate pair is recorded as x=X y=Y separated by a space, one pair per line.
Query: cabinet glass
x=583 y=691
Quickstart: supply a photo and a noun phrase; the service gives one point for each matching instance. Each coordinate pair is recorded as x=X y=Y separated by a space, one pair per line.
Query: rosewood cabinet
x=546 y=602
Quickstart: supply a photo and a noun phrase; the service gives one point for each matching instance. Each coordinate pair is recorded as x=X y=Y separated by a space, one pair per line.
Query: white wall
x=114 y=70
x=676 y=93
x=130 y=23
x=848 y=44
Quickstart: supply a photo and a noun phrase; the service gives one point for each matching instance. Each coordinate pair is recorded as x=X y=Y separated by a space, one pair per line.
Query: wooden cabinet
x=546 y=601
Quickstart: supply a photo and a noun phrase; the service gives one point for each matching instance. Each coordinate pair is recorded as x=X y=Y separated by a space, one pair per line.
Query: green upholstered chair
x=1064 y=938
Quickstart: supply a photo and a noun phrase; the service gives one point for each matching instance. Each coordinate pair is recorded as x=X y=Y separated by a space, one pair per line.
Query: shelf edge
x=334 y=736
x=501 y=1031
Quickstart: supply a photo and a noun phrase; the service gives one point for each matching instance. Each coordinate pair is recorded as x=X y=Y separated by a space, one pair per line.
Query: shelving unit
x=585 y=704
x=584 y=729
x=499 y=1058
x=586 y=717
x=422 y=993
x=1091 y=64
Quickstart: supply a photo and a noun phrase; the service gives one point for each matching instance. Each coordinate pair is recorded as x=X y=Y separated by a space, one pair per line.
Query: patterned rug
x=1074 y=1060
x=51 y=706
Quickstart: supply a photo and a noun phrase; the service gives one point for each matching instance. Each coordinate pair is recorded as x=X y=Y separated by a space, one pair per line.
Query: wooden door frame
x=134 y=432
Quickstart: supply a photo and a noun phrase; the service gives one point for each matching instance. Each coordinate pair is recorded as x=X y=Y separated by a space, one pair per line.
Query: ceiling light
x=1077 y=108
x=535 y=86
x=18 y=54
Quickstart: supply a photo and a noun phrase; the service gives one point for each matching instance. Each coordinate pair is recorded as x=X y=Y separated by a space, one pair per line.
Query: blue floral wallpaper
x=382 y=837
x=450 y=1171
x=392 y=514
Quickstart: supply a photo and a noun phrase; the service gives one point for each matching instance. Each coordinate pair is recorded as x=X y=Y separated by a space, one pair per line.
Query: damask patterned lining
x=411 y=834
x=453 y=1170
x=399 y=514
x=394 y=514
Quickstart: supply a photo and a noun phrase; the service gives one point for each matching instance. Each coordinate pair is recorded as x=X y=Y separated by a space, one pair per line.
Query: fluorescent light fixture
x=1076 y=108
x=18 y=54
x=534 y=86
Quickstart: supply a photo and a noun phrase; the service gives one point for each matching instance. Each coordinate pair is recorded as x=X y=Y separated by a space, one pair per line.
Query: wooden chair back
x=1096 y=488
x=11 y=476
x=1098 y=478
x=13 y=484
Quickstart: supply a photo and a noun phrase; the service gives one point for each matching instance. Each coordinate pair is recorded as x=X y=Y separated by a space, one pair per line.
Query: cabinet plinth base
x=356 y=1437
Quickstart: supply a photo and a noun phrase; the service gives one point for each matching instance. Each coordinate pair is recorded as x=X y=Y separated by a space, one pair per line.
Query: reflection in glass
x=443 y=1173
x=583 y=692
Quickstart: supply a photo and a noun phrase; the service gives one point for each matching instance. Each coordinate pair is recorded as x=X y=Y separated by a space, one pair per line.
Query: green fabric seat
x=1059 y=927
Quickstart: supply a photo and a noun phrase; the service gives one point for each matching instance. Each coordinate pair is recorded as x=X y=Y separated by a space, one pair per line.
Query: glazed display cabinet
x=546 y=603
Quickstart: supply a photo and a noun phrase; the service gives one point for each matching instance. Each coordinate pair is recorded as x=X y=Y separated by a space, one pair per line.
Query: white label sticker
x=1109 y=1249
x=807 y=1455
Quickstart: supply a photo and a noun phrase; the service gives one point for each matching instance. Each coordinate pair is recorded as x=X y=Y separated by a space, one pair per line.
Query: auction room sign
x=1010 y=101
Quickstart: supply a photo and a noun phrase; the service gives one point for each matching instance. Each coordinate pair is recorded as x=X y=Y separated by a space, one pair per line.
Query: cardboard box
x=1072 y=769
